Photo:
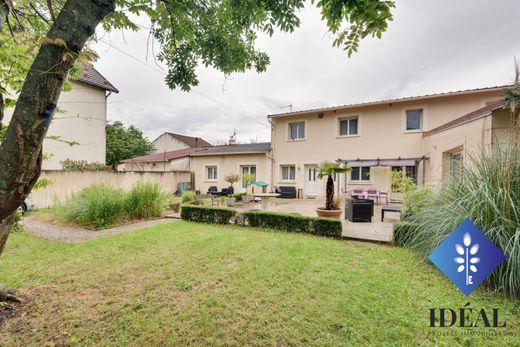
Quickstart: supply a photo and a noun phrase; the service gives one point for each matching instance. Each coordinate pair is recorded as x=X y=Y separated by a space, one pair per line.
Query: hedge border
x=271 y=220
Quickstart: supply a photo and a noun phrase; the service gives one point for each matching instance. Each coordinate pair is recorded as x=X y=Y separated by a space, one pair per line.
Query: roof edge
x=396 y=100
x=468 y=117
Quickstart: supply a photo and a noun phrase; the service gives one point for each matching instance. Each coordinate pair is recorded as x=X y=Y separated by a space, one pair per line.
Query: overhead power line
x=194 y=90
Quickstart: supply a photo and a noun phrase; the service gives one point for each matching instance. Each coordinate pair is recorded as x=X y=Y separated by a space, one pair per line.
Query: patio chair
x=373 y=194
x=213 y=190
x=359 y=193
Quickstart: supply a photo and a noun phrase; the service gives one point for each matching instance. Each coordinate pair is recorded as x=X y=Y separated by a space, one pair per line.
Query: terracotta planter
x=329 y=213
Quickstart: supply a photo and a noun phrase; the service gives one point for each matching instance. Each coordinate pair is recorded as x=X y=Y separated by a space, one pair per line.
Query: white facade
x=81 y=117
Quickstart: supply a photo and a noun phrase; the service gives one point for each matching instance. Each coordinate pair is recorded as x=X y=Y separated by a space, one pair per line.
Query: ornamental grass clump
x=97 y=207
x=145 y=200
x=488 y=193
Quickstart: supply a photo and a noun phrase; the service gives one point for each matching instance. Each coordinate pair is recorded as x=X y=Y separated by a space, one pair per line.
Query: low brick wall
x=66 y=183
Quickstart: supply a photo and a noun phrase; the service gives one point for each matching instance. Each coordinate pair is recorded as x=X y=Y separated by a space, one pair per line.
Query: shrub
x=293 y=223
x=145 y=200
x=488 y=193
x=415 y=201
x=82 y=165
x=403 y=232
x=17 y=226
x=401 y=183
x=270 y=220
x=188 y=196
x=238 y=196
x=97 y=206
x=211 y=215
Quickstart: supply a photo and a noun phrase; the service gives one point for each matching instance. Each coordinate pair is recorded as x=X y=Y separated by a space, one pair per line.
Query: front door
x=311 y=180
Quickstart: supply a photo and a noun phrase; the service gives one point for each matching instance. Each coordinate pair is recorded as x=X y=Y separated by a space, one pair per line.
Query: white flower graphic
x=467 y=260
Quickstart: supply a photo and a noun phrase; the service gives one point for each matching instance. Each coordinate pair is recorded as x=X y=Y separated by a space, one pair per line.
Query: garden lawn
x=185 y=283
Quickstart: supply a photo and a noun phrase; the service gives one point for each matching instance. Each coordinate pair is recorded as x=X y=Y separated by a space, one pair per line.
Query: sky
x=431 y=46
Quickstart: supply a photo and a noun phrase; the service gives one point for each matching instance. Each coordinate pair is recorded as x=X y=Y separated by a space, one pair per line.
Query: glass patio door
x=250 y=169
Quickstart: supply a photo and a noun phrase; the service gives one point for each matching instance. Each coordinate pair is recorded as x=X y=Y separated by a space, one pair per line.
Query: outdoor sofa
x=286 y=192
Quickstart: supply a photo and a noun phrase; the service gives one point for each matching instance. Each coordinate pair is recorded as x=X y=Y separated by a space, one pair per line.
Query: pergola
x=386 y=162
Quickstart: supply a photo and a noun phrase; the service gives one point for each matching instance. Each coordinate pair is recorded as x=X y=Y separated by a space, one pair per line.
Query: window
x=409 y=171
x=348 y=126
x=297 y=131
x=211 y=173
x=414 y=120
x=456 y=165
x=249 y=169
x=288 y=173
x=360 y=173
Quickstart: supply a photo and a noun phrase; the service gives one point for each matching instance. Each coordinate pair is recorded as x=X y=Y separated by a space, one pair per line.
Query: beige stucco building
x=428 y=137
x=378 y=137
x=81 y=118
x=211 y=166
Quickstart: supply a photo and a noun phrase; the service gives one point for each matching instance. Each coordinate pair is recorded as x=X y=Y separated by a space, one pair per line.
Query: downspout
x=271 y=155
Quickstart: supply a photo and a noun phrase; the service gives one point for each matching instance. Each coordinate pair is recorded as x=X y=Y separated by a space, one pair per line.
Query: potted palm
x=248 y=178
x=328 y=169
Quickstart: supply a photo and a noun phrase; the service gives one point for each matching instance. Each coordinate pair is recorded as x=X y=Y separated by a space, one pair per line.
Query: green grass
x=185 y=283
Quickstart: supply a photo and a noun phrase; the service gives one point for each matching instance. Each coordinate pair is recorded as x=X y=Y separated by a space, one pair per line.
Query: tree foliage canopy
x=124 y=143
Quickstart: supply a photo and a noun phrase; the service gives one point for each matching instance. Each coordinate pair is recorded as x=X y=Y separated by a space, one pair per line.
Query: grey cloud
x=432 y=46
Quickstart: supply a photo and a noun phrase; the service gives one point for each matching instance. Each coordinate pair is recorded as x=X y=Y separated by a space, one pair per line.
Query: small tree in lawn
x=232 y=178
x=328 y=169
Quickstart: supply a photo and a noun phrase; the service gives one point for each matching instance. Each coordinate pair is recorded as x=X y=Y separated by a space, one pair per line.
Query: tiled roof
x=94 y=78
x=166 y=156
x=190 y=140
x=481 y=112
x=262 y=147
x=380 y=102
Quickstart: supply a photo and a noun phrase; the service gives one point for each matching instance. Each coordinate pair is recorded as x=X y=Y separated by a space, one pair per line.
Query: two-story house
x=426 y=136
x=81 y=118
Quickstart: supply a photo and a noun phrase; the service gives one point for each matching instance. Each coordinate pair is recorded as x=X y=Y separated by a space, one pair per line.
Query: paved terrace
x=375 y=231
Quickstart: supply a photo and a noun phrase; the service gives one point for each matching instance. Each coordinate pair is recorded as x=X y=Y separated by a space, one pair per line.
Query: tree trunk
x=20 y=151
x=2 y=110
x=329 y=194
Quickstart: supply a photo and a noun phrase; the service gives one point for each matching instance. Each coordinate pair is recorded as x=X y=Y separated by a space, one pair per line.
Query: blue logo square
x=467 y=257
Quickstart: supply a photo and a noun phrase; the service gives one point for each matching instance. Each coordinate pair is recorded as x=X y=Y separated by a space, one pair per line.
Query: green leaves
x=222 y=33
x=124 y=143
x=328 y=168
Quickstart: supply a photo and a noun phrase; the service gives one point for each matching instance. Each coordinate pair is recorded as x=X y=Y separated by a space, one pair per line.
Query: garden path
x=74 y=234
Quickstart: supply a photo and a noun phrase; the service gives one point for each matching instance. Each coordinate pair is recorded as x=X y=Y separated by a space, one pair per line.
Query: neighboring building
x=378 y=137
x=428 y=137
x=178 y=160
x=167 y=142
x=211 y=166
x=81 y=117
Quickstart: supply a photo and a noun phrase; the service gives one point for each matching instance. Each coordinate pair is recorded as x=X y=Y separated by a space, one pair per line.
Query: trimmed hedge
x=403 y=231
x=212 y=215
x=270 y=220
x=294 y=223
